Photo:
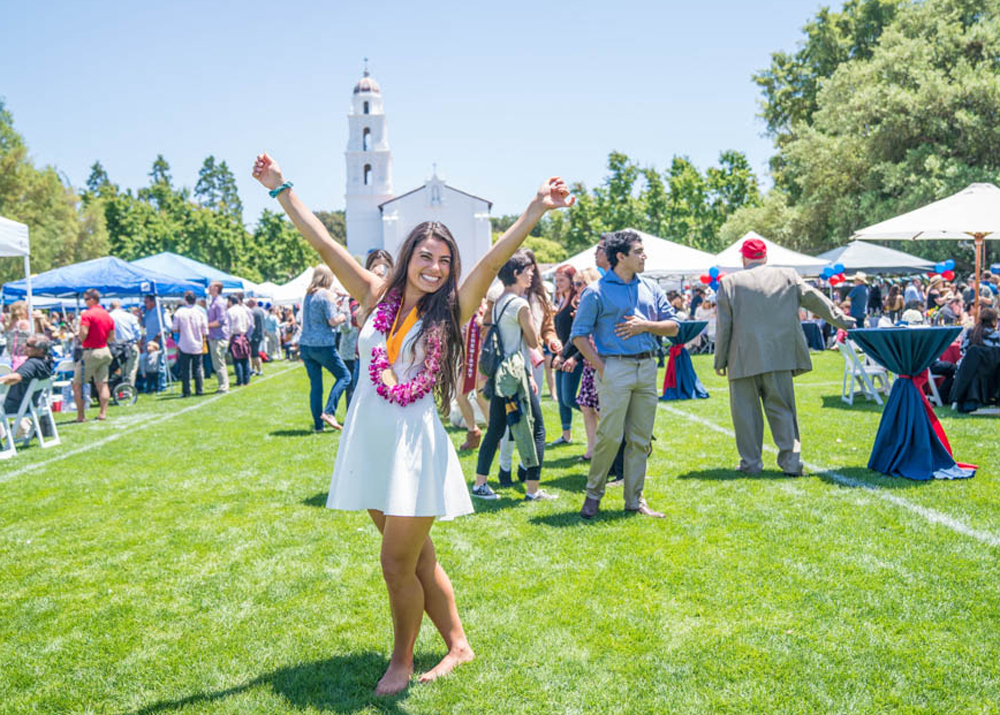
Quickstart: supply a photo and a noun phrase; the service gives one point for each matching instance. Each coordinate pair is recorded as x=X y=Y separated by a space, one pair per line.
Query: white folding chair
x=860 y=375
x=43 y=411
x=7 y=448
x=935 y=396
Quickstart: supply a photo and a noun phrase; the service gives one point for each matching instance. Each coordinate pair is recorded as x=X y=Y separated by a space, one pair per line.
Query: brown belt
x=637 y=356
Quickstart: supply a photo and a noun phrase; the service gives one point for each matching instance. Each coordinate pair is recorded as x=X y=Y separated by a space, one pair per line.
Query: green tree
x=335 y=223
x=280 y=253
x=911 y=122
x=216 y=188
x=62 y=229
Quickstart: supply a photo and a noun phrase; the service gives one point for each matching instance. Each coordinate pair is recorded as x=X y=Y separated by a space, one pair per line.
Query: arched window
x=366 y=139
x=366 y=108
x=368 y=174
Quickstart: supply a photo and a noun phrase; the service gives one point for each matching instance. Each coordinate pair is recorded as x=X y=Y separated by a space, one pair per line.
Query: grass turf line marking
x=132 y=429
x=931 y=515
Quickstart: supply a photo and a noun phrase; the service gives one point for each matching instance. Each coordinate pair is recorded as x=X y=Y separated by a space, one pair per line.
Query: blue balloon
x=713 y=271
x=827 y=272
x=839 y=268
x=939 y=268
x=714 y=285
x=949 y=265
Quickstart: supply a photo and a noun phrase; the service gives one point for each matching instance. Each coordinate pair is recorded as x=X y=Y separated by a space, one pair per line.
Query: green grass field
x=179 y=559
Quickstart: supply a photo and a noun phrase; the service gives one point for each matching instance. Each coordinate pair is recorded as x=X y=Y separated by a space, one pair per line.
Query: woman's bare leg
x=403 y=538
x=439 y=602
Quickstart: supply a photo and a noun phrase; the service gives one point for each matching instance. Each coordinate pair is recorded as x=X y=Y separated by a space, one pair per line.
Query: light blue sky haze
x=499 y=94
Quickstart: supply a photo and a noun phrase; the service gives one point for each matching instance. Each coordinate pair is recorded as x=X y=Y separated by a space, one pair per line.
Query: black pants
x=189 y=360
x=497 y=428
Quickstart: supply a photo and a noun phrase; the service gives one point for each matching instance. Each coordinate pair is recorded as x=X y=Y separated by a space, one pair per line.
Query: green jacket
x=512 y=385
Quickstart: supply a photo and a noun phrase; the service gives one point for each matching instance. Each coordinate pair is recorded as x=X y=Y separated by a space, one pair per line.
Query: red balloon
x=948 y=275
x=932 y=273
x=706 y=279
x=721 y=273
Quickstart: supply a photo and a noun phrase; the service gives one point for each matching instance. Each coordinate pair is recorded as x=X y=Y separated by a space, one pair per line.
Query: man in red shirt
x=97 y=329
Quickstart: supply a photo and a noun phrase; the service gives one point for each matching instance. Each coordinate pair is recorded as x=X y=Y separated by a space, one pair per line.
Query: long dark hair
x=987 y=321
x=440 y=310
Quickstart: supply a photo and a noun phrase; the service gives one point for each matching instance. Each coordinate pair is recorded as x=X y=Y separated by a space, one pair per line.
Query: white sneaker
x=540 y=495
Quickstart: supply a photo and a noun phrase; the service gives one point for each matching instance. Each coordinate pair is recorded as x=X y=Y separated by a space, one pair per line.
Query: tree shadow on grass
x=861 y=404
x=863 y=478
x=301 y=432
x=726 y=475
x=342 y=684
x=572 y=518
x=317 y=500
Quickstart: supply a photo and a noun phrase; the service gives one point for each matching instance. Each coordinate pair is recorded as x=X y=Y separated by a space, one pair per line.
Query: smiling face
x=429 y=266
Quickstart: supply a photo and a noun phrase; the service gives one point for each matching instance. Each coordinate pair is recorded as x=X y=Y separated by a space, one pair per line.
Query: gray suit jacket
x=758 y=321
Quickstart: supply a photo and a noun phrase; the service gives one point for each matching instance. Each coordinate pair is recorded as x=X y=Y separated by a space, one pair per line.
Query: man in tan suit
x=760 y=346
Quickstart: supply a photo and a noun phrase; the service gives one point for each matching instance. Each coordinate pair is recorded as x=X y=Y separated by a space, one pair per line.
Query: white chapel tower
x=369 y=167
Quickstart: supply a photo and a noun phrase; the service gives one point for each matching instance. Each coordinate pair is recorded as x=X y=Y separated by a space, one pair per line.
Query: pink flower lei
x=423 y=383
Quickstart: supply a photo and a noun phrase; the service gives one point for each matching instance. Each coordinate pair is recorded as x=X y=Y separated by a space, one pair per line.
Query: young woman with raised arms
x=395 y=459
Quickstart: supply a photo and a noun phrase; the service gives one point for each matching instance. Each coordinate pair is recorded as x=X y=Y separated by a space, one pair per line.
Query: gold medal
x=389 y=377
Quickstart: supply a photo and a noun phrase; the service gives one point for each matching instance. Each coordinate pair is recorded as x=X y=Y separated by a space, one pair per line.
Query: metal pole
x=164 y=333
x=979 y=249
x=27 y=279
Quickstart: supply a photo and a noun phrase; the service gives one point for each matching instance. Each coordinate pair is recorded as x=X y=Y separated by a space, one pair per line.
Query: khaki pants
x=628 y=409
x=217 y=349
x=131 y=366
x=777 y=393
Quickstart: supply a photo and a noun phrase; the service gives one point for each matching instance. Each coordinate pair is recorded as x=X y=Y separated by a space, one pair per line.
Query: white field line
x=931 y=515
x=132 y=429
x=797 y=385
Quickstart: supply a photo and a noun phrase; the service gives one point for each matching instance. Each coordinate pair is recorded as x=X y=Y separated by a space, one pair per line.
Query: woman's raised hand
x=267 y=171
x=554 y=194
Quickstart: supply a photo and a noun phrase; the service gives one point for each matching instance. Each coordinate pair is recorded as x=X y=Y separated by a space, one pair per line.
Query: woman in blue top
x=317 y=347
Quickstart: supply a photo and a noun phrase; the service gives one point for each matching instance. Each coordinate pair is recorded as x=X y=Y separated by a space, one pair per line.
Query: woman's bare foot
x=455 y=657
x=330 y=420
x=395 y=680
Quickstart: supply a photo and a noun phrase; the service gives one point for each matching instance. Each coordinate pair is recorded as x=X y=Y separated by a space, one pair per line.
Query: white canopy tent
x=973 y=213
x=14 y=242
x=732 y=260
x=294 y=290
x=663 y=258
x=861 y=256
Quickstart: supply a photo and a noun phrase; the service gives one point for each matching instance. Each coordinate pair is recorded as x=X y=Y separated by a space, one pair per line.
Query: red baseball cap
x=754 y=249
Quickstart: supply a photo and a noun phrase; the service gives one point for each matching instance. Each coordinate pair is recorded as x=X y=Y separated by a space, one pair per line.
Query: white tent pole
x=27 y=278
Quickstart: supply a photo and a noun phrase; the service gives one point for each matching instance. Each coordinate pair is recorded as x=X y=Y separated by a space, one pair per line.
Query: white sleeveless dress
x=399 y=460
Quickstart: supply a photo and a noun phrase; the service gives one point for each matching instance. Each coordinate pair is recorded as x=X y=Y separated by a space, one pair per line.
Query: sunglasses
x=579 y=284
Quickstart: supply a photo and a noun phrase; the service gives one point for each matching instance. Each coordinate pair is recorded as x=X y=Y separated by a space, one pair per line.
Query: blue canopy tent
x=861 y=256
x=189 y=269
x=111 y=276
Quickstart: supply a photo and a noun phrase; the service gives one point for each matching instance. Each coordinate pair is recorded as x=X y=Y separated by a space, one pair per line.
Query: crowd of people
x=137 y=346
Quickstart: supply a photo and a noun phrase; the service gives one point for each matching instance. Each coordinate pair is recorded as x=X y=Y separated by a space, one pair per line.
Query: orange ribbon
x=395 y=341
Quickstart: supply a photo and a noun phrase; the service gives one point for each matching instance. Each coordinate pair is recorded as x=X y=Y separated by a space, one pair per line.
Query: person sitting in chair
x=36 y=365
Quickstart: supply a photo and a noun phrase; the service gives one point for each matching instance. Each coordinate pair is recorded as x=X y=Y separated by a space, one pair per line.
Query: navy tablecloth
x=814 y=335
x=681 y=381
x=907 y=443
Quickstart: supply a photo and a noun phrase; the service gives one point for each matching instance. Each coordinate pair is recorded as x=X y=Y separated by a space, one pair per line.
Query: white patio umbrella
x=14 y=242
x=974 y=212
x=732 y=260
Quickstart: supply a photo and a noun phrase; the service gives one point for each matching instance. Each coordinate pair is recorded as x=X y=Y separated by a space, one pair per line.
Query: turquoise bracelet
x=274 y=192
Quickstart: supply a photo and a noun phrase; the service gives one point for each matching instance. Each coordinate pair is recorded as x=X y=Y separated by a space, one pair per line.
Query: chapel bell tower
x=369 y=167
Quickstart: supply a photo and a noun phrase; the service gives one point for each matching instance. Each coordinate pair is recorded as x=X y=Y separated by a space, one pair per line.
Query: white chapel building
x=375 y=217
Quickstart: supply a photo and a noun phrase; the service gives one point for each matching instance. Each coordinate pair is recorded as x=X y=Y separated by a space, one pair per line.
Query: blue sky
x=499 y=95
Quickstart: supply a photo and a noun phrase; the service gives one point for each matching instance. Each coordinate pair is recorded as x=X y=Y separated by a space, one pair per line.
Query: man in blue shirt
x=859 y=298
x=623 y=312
